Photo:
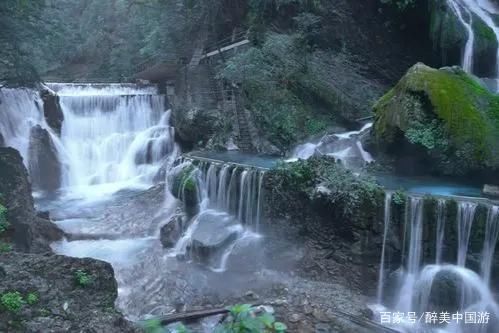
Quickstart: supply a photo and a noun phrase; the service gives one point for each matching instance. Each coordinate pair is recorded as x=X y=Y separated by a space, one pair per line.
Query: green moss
x=482 y=30
x=12 y=301
x=468 y=113
x=4 y=224
x=446 y=31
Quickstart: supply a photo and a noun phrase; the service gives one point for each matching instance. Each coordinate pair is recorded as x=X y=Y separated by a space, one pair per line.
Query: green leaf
x=280 y=327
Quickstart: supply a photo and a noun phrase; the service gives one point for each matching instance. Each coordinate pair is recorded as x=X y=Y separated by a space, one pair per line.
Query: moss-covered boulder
x=442 y=118
x=330 y=200
x=184 y=186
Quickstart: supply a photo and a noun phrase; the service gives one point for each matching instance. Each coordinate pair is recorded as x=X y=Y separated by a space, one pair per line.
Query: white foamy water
x=114 y=140
x=345 y=147
x=20 y=110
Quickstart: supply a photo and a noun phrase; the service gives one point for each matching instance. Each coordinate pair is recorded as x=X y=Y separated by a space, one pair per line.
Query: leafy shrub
x=82 y=278
x=4 y=247
x=399 y=197
x=12 y=301
x=4 y=224
x=243 y=320
x=32 y=298
x=401 y=5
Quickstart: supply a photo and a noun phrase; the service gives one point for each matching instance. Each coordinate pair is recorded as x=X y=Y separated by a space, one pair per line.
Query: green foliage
x=82 y=278
x=4 y=224
x=448 y=113
x=4 y=247
x=401 y=5
x=32 y=298
x=152 y=326
x=243 y=320
x=399 y=197
x=430 y=134
x=12 y=301
x=348 y=195
x=286 y=99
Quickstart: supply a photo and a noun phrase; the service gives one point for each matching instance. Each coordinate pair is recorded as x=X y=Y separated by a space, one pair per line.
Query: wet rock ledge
x=41 y=291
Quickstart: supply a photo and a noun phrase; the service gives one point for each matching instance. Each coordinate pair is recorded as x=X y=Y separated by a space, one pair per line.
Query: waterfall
x=115 y=136
x=413 y=227
x=229 y=198
x=465 y=216
x=486 y=11
x=489 y=245
x=234 y=189
x=440 y=232
x=468 y=49
x=441 y=287
x=20 y=110
x=386 y=226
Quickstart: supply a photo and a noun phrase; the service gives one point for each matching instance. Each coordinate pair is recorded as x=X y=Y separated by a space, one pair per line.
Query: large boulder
x=30 y=232
x=443 y=120
x=171 y=232
x=214 y=233
x=52 y=110
x=61 y=294
x=44 y=165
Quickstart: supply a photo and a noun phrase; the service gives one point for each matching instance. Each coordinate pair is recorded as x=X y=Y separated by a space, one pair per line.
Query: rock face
x=195 y=112
x=491 y=190
x=334 y=205
x=63 y=304
x=215 y=231
x=31 y=233
x=52 y=110
x=449 y=37
x=171 y=232
x=439 y=119
x=44 y=165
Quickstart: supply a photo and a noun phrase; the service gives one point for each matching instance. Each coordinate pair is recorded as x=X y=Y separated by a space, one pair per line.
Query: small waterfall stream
x=232 y=194
x=445 y=282
x=344 y=147
x=21 y=110
x=485 y=11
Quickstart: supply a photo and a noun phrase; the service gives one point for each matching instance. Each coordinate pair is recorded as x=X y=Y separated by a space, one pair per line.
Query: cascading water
x=115 y=136
x=236 y=190
x=442 y=287
x=466 y=22
x=465 y=215
x=485 y=11
x=386 y=224
x=440 y=234
x=490 y=243
x=229 y=200
x=20 y=111
x=344 y=147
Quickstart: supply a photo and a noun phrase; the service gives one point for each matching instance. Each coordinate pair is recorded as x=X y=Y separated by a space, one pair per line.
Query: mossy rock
x=184 y=187
x=445 y=113
x=449 y=37
x=484 y=49
x=446 y=32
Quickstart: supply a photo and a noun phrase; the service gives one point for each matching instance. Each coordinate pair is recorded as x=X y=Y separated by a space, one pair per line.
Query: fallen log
x=191 y=316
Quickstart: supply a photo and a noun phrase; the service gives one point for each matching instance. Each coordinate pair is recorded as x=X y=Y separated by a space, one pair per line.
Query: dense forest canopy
x=69 y=39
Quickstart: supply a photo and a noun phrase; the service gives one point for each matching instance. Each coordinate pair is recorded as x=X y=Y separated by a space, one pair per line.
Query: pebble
x=295 y=317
